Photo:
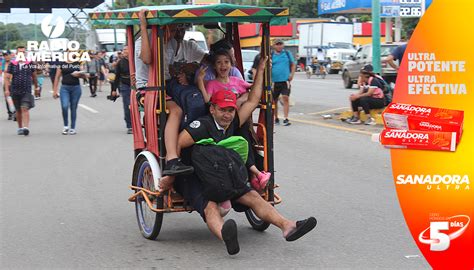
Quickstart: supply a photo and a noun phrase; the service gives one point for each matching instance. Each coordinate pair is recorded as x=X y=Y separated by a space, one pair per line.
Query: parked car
x=351 y=69
x=247 y=60
x=198 y=37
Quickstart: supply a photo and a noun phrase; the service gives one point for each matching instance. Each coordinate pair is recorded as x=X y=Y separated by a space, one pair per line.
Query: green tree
x=9 y=33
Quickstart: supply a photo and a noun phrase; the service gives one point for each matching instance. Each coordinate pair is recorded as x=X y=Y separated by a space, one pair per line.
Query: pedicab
x=148 y=108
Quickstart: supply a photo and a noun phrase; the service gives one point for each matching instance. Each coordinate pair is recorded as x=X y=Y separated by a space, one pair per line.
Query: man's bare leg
x=19 y=118
x=173 y=165
x=225 y=231
x=266 y=211
x=25 y=117
x=291 y=230
x=172 y=129
x=286 y=106
x=214 y=220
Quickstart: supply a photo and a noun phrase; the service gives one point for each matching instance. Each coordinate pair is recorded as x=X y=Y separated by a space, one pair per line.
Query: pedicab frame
x=148 y=137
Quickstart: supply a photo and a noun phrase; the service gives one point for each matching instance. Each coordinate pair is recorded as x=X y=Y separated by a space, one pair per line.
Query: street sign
x=412 y=8
x=389 y=8
x=402 y=8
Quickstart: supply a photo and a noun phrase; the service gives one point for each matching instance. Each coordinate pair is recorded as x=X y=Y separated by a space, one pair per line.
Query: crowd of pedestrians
x=22 y=84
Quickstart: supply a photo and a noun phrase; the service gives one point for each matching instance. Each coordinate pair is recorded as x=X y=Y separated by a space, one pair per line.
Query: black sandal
x=229 y=235
x=302 y=228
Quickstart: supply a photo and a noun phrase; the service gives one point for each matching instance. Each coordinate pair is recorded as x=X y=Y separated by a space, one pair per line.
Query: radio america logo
x=443 y=230
x=52 y=30
x=55 y=48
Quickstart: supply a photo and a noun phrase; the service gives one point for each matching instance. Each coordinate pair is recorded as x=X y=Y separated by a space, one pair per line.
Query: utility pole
x=115 y=29
x=376 y=35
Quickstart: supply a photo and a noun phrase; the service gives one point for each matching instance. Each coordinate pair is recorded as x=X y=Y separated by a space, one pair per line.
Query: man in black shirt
x=122 y=81
x=21 y=74
x=223 y=121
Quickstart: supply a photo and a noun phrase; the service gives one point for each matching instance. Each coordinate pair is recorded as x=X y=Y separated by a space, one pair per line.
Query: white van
x=198 y=37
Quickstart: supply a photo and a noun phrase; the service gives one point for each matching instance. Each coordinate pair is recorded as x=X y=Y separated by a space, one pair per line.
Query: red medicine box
x=414 y=117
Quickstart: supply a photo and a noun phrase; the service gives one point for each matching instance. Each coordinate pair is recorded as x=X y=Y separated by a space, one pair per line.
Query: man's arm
x=292 y=71
x=145 y=51
x=292 y=67
x=254 y=97
x=184 y=140
x=56 y=82
x=116 y=82
x=391 y=61
x=8 y=77
x=35 y=79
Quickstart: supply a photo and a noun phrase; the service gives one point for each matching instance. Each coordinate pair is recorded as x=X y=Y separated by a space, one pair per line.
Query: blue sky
x=22 y=15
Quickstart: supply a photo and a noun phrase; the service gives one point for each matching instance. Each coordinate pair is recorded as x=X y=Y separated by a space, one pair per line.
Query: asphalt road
x=64 y=198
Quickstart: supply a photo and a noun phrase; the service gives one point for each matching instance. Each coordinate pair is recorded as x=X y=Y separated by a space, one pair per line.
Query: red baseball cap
x=224 y=98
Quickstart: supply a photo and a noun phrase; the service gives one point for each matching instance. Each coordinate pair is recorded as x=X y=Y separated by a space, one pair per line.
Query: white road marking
x=88 y=108
x=319 y=81
x=328 y=111
x=412 y=256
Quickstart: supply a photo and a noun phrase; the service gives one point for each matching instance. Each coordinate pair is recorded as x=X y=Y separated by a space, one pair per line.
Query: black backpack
x=189 y=98
x=387 y=91
x=221 y=171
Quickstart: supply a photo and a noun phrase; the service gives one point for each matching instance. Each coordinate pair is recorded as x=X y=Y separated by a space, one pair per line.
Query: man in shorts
x=283 y=70
x=222 y=122
x=20 y=75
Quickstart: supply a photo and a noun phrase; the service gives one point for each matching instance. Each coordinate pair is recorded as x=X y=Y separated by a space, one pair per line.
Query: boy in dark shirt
x=20 y=75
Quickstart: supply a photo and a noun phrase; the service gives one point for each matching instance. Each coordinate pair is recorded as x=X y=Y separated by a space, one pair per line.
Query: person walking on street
x=5 y=62
x=103 y=72
x=93 y=69
x=70 y=93
x=122 y=82
x=283 y=70
x=21 y=75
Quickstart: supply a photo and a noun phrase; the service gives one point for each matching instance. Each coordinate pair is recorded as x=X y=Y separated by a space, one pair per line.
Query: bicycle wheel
x=256 y=223
x=149 y=221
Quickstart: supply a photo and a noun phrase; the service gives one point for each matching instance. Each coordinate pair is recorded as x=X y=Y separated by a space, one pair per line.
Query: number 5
x=435 y=234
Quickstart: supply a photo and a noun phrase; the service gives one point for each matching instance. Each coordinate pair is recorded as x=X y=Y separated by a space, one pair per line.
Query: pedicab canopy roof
x=172 y=14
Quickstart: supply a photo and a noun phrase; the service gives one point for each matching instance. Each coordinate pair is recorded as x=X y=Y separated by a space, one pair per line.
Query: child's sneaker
x=65 y=130
x=72 y=131
x=263 y=178
x=260 y=182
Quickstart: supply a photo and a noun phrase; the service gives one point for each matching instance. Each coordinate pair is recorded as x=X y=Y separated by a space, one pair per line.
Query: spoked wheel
x=256 y=223
x=347 y=80
x=149 y=221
